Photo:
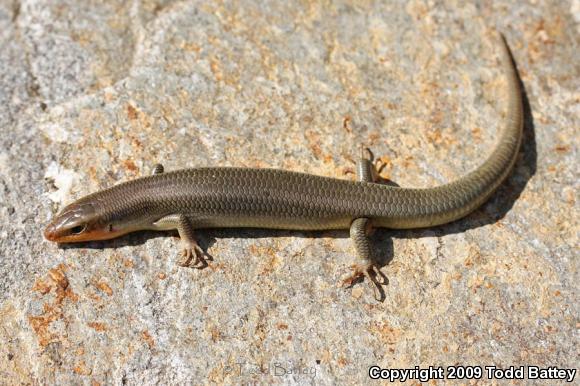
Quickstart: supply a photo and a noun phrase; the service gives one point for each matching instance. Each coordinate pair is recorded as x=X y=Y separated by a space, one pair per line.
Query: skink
x=191 y=199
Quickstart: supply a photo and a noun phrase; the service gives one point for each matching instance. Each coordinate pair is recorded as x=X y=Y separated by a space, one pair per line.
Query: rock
x=95 y=93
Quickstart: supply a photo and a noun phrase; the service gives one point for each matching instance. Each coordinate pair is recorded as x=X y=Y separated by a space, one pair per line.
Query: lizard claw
x=372 y=273
x=358 y=275
x=193 y=256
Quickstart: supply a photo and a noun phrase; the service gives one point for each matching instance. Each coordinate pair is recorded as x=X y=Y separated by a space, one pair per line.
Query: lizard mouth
x=79 y=233
x=50 y=232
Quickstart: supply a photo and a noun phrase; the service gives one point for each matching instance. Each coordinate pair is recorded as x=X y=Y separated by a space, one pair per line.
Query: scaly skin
x=279 y=199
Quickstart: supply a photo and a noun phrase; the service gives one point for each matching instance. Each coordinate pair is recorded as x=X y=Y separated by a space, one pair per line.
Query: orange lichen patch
x=434 y=136
x=256 y=163
x=128 y=263
x=132 y=112
x=316 y=150
x=61 y=284
x=408 y=162
x=41 y=286
x=216 y=69
x=94 y=296
x=83 y=38
x=549 y=329
x=216 y=334
x=71 y=295
x=562 y=148
x=130 y=165
x=570 y=195
x=553 y=28
x=97 y=326
x=437 y=117
x=136 y=142
x=92 y=172
x=105 y=288
x=162 y=276
x=342 y=361
x=148 y=338
x=438 y=137
x=58 y=283
x=58 y=276
x=190 y=46
x=545 y=35
x=389 y=105
x=272 y=262
x=374 y=137
x=82 y=369
x=108 y=96
x=476 y=133
x=475 y=283
x=168 y=113
x=282 y=326
x=431 y=91
x=40 y=325
x=216 y=266
x=314 y=143
x=386 y=333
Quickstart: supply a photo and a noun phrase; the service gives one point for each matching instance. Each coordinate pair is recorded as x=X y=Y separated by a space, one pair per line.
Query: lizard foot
x=372 y=273
x=193 y=256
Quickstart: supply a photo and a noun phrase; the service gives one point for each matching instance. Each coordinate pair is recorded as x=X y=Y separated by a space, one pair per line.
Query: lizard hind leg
x=365 y=267
x=193 y=255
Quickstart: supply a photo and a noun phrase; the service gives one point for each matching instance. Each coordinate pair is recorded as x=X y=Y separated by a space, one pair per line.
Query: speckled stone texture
x=93 y=93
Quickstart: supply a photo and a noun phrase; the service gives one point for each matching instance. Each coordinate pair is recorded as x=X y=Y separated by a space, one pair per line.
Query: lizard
x=224 y=197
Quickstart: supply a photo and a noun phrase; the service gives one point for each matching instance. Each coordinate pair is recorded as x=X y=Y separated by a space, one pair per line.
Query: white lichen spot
x=55 y=132
x=58 y=126
x=63 y=180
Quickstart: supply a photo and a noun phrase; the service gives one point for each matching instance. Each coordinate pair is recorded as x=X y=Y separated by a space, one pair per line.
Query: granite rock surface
x=94 y=93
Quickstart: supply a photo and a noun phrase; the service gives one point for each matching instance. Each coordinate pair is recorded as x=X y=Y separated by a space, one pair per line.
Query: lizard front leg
x=191 y=250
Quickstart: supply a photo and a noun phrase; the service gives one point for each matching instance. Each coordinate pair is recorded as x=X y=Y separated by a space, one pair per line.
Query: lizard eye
x=78 y=229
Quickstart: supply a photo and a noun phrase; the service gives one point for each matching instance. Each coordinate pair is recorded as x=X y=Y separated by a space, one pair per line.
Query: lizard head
x=80 y=221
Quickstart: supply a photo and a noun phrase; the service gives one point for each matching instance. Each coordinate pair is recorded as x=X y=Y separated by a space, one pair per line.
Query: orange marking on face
x=88 y=235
